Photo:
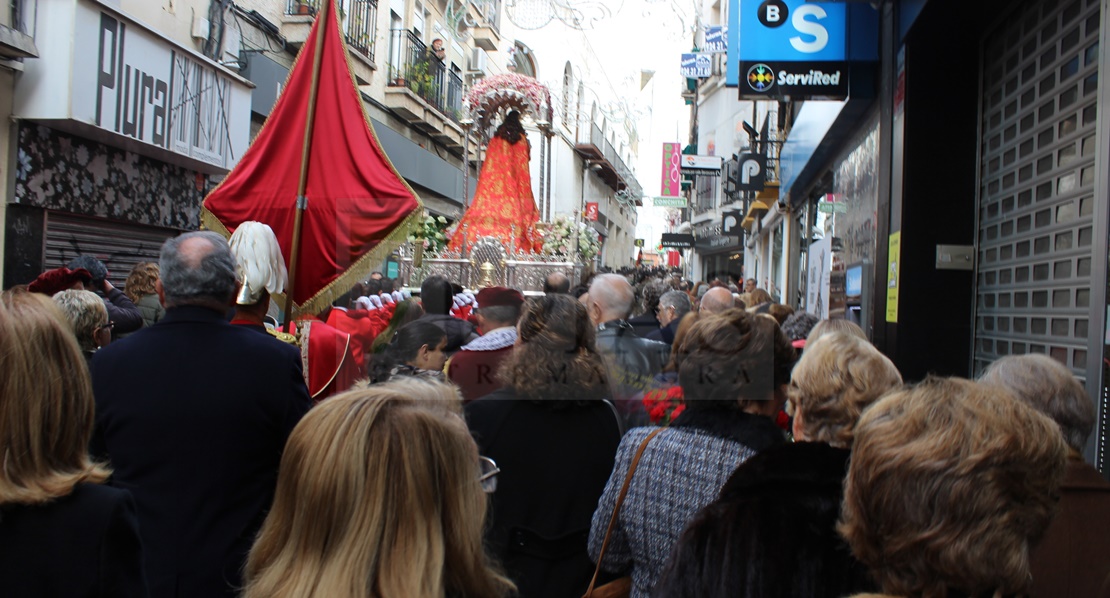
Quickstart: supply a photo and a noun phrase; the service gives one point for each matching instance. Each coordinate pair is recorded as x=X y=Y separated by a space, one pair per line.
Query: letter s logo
x=818 y=31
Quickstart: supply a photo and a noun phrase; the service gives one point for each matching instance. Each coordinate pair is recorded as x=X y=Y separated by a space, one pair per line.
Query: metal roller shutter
x=119 y=245
x=1036 y=183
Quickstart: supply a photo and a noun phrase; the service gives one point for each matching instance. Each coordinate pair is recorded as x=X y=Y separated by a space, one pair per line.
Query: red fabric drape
x=503 y=202
x=356 y=199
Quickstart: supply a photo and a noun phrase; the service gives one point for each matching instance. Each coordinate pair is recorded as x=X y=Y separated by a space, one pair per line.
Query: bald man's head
x=556 y=282
x=715 y=301
x=611 y=298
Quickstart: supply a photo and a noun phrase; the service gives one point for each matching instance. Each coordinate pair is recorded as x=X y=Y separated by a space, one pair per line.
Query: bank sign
x=789 y=48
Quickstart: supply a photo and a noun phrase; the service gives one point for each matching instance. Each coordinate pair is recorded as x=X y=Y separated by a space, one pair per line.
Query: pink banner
x=672 y=170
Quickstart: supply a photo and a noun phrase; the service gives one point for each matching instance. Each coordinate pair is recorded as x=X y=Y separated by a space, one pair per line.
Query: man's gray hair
x=1049 y=387
x=613 y=293
x=197 y=276
x=679 y=300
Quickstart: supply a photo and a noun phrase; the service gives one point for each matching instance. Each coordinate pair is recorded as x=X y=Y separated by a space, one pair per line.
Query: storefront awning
x=805 y=137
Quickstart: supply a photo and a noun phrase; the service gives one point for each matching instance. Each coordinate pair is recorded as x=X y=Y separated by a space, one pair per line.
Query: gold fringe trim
x=392 y=241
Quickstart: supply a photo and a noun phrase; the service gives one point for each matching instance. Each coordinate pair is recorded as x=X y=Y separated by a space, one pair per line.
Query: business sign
x=591 y=211
x=790 y=48
x=715 y=39
x=693 y=162
x=730 y=223
x=894 y=260
x=131 y=82
x=697 y=65
x=677 y=240
x=639 y=243
x=668 y=202
x=751 y=172
x=672 y=170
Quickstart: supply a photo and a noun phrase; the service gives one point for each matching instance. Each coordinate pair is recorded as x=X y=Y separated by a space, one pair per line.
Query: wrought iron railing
x=357 y=18
x=412 y=65
x=454 y=96
x=362 y=15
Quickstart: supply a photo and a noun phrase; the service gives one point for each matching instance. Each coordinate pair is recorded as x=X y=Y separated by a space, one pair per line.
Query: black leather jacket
x=632 y=364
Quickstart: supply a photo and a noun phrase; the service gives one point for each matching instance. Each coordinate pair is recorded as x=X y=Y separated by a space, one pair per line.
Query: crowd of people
x=634 y=434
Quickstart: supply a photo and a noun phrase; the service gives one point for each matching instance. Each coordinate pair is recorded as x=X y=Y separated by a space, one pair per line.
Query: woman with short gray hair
x=88 y=317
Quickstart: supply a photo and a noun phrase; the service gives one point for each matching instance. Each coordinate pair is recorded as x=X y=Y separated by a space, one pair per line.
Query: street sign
x=830 y=207
x=752 y=172
x=669 y=202
x=677 y=240
x=639 y=243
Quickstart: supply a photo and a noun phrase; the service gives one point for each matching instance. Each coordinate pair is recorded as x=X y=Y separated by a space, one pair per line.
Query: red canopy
x=358 y=208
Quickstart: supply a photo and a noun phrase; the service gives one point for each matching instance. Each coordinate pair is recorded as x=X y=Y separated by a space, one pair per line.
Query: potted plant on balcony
x=419 y=79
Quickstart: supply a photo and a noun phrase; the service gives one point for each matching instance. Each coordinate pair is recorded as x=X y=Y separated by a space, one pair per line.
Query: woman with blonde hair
x=772 y=531
x=88 y=318
x=380 y=493
x=62 y=533
x=951 y=483
x=140 y=289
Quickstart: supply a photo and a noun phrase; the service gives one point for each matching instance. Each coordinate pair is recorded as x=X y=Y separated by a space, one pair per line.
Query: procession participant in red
x=327 y=356
x=474 y=368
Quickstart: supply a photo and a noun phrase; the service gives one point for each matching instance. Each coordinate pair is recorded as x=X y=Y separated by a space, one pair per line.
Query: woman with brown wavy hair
x=139 y=288
x=380 y=494
x=62 y=533
x=950 y=485
x=553 y=436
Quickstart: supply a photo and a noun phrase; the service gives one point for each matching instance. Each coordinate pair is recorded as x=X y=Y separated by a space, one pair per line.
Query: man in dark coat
x=193 y=414
x=672 y=306
x=1073 y=557
x=633 y=362
x=436 y=298
x=123 y=314
x=474 y=368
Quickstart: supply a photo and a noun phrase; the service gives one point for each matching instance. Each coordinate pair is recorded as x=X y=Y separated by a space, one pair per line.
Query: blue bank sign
x=788 y=48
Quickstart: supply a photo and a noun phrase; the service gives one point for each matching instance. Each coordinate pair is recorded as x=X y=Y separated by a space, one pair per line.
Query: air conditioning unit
x=478 y=63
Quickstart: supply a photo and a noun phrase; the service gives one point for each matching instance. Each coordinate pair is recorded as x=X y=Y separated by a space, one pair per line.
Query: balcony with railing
x=592 y=145
x=413 y=67
x=357 y=19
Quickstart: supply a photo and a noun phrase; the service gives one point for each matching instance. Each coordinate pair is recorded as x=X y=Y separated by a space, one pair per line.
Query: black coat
x=459 y=332
x=82 y=545
x=555 y=459
x=771 y=533
x=644 y=324
x=193 y=414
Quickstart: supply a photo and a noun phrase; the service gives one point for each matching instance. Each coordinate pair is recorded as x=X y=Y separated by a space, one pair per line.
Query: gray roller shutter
x=119 y=245
x=1036 y=183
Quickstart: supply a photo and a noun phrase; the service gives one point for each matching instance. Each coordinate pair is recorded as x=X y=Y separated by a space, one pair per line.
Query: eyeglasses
x=109 y=326
x=487 y=474
x=660 y=309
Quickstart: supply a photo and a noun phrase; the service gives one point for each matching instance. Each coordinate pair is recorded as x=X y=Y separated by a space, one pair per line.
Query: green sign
x=830 y=207
x=669 y=202
x=639 y=242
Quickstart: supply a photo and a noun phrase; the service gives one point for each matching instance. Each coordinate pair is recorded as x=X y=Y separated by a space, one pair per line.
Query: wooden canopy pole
x=306 y=151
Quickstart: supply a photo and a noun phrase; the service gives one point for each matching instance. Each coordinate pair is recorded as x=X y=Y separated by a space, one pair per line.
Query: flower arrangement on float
x=487 y=88
x=663 y=405
x=558 y=238
x=432 y=232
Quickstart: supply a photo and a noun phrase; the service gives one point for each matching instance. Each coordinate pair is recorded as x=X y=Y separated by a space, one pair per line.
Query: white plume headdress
x=259 y=262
